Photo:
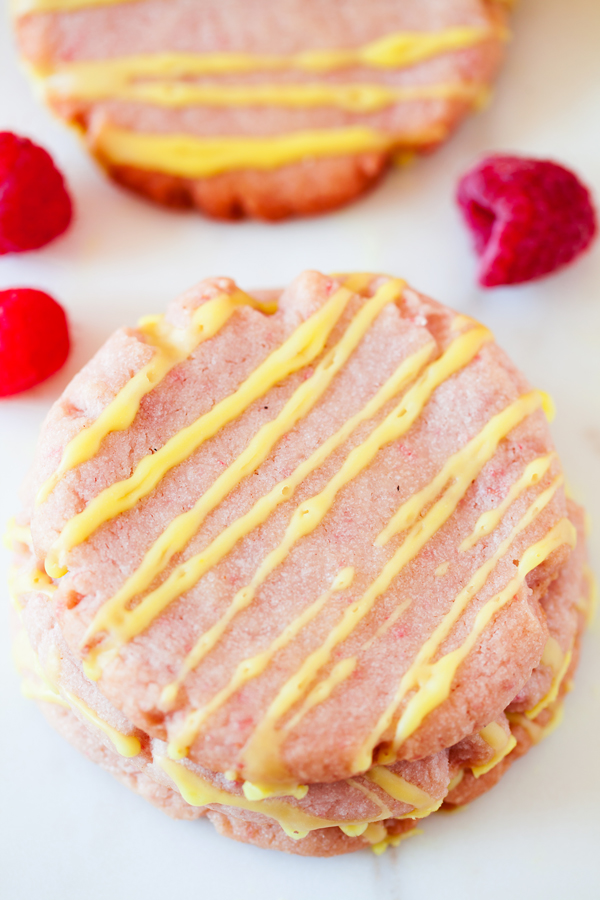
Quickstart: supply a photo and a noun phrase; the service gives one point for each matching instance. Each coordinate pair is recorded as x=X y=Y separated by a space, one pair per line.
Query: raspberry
x=528 y=217
x=34 y=339
x=34 y=204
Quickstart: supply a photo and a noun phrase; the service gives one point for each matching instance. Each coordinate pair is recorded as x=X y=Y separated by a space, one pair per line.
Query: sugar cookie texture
x=264 y=109
x=300 y=562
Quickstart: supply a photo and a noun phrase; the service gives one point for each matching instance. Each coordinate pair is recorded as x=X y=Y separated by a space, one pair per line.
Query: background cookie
x=294 y=109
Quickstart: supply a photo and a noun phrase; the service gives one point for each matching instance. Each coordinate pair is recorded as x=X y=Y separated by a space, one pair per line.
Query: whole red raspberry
x=34 y=339
x=528 y=217
x=34 y=204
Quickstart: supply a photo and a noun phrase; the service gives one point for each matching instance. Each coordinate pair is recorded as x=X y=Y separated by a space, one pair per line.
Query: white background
x=66 y=828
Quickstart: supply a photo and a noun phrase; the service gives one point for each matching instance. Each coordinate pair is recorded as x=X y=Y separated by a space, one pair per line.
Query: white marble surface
x=66 y=828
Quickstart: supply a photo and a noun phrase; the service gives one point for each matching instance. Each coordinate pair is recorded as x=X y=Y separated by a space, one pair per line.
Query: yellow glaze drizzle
x=298 y=351
x=24 y=582
x=294 y=821
x=100 y=80
x=456 y=780
x=501 y=742
x=173 y=346
x=186 y=156
x=403 y=791
x=486 y=523
x=591 y=603
x=264 y=791
x=126 y=744
x=393 y=840
x=559 y=662
x=536 y=731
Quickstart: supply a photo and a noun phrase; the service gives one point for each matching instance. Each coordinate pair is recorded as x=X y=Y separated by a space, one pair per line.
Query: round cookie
x=297 y=539
x=294 y=110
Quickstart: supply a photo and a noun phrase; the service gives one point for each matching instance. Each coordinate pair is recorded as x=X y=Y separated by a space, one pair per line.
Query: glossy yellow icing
x=173 y=346
x=501 y=742
x=186 y=156
x=294 y=821
x=46 y=689
x=559 y=662
x=265 y=791
x=185 y=526
x=442 y=569
x=298 y=351
x=403 y=791
x=536 y=731
x=24 y=581
x=488 y=520
x=591 y=601
x=454 y=782
x=432 y=682
x=113 y=79
x=127 y=745
x=393 y=840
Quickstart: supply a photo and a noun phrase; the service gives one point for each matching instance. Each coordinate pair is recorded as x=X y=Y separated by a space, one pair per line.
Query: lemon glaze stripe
x=294 y=821
x=185 y=526
x=202 y=157
x=502 y=744
x=359 y=97
x=303 y=346
x=25 y=658
x=393 y=51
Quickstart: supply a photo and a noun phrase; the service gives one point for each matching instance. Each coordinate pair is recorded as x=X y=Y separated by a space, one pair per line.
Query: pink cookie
x=294 y=109
x=301 y=553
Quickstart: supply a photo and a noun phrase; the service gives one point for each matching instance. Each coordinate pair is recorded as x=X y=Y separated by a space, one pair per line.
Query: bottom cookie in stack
x=300 y=563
